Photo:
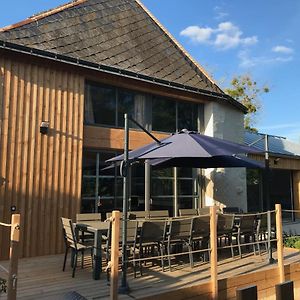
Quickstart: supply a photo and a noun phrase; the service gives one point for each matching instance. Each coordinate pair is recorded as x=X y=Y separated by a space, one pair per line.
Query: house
x=78 y=68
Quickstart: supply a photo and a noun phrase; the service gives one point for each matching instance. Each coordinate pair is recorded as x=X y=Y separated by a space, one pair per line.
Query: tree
x=245 y=90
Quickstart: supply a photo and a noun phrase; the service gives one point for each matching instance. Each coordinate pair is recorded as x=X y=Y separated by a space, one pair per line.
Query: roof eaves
x=42 y=15
x=112 y=70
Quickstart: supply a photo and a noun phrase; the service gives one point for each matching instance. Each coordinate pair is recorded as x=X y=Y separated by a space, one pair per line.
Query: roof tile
x=112 y=32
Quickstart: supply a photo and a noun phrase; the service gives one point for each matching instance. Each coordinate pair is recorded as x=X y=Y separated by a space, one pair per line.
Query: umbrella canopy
x=191 y=149
x=210 y=162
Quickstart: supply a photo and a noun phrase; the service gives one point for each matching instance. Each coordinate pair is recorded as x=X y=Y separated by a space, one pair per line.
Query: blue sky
x=228 y=38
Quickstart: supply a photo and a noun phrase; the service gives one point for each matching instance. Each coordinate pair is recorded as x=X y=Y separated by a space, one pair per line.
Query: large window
x=106 y=105
x=102 y=189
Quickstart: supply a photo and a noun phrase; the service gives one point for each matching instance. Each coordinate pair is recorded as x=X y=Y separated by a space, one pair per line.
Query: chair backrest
x=88 y=217
x=158 y=214
x=247 y=223
x=180 y=229
x=200 y=227
x=131 y=231
x=69 y=232
x=188 y=212
x=263 y=222
x=152 y=231
x=131 y=216
x=225 y=223
x=140 y=214
x=204 y=210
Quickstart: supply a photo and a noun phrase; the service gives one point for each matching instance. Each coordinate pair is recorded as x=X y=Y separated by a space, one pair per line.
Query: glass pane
x=185 y=172
x=87 y=205
x=185 y=186
x=254 y=185
x=106 y=187
x=187 y=116
x=163 y=115
x=88 y=187
x=185 y=202
x=167 y=173
x=125 y=105
x=162 y=187
x=100 y=104
x=162 y=203
x=89 y=160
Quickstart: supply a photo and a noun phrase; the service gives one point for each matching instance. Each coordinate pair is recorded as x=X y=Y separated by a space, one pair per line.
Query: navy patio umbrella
x=192 y=149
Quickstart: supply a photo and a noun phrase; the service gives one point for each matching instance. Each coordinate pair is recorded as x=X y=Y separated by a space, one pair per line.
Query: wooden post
x=279 y=242
x=114 y=259
x=13 y=256
x=214 y=254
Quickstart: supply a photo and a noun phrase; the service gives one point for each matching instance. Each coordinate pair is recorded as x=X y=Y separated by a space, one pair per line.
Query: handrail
x=5 y=224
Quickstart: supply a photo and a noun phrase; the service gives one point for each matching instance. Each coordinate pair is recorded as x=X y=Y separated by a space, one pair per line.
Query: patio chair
x=158 y=214
x=199 y=236
x=225 y=223
x=82 y=218
x=140 y=214
x=247 y=229
x=132 y=227
x=152 y=235
x=179 y=234
x=88 y=217
x=262 y=230
x=188 y=212
x=204 y=210
x=71 y=243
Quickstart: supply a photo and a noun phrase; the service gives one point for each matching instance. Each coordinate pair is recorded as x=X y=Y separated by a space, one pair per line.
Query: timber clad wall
x=41 y=173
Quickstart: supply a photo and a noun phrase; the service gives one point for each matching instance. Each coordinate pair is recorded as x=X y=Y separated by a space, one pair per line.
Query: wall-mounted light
x=276 y=160
x=44 y=127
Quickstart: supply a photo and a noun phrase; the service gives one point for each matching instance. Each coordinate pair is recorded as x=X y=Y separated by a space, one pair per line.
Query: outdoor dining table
x=98 y=228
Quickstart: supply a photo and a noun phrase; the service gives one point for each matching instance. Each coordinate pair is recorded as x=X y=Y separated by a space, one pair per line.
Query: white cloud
x=225 y=36
x=282 y=49
x=248 y=61
x=197 y=34
x=220 y=14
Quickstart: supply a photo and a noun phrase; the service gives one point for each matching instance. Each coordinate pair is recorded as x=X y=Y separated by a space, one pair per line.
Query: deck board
x=42 y=277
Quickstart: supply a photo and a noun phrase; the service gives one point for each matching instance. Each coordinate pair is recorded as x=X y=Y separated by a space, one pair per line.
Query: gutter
x=116 y=71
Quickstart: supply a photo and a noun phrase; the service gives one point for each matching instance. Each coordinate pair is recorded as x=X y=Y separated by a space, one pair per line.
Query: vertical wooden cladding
x=42 y=173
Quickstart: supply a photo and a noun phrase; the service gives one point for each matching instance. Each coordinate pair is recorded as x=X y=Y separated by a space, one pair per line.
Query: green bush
x=292 y=242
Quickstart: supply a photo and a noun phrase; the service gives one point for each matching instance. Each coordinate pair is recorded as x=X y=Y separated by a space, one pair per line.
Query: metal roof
x=277 y=145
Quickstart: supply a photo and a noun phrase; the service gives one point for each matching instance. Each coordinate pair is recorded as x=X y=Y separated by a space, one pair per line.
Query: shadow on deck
x=42 y=277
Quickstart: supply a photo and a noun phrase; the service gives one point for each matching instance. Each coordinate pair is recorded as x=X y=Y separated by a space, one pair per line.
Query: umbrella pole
x=147 y=185
x=124 y=288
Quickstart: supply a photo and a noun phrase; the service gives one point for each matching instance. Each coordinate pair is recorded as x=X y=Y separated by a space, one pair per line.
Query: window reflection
x=100 y=105
x=163 y=115
x=187 y=117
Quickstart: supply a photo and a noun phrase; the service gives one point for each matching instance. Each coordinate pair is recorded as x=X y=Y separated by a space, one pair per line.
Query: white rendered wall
x=225 y=186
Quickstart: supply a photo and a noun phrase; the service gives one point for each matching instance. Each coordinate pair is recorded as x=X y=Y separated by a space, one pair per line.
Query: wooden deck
x=42 y=277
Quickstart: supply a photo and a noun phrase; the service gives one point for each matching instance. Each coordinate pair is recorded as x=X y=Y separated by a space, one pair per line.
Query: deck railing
x=13 y=257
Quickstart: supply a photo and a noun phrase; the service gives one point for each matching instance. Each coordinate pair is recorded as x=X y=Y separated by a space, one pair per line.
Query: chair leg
x=161 y=247
x=239 y=245
x=190 y=248
x=254 y=244
x=82 y=258
x=169 y=256
x=65 y=258
x=75 y=264
x=231 y=245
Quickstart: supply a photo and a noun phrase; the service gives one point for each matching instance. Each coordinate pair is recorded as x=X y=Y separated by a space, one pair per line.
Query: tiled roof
x=276 y=145
x=117 y=33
